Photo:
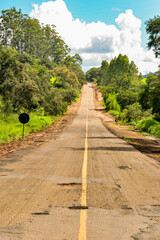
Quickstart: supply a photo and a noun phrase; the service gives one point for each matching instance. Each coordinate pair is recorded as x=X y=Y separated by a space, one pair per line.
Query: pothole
x=41 y=213
x=69 y=184
x=124 y=167
x=126 y=207
x=78 y=207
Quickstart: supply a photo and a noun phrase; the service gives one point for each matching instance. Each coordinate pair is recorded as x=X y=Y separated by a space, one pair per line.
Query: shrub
x=155 y=130
x=116 y=114
x=69 y=95
x=132 y=113
x=126 y=98
x=145 y=124
x=111 y=102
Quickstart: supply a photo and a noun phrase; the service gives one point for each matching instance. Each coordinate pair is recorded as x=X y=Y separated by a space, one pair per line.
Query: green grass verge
x=11 y=128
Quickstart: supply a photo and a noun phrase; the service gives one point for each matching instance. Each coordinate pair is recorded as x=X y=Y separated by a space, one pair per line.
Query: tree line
x=128 y=95
x=37 y=73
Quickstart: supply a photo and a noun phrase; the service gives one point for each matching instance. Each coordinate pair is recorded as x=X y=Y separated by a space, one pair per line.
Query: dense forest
x=37 y=72
x=127 y=95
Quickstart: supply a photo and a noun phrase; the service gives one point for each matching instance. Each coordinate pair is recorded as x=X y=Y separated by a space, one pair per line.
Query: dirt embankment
x=148 y=145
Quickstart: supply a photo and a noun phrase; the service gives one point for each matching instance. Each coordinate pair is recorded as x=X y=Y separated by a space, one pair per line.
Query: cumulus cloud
x=97 y=41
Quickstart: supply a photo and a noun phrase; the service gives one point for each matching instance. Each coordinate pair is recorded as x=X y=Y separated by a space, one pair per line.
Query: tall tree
x=153 y=28
x=32 y=37
x=11 y=28
x=121 y=73
x=74 y=64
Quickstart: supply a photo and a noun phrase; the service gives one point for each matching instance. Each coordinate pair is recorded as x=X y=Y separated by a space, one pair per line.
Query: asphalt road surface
x=85 y=185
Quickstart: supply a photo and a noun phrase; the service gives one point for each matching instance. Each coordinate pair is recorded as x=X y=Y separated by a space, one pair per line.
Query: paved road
x=85 y=185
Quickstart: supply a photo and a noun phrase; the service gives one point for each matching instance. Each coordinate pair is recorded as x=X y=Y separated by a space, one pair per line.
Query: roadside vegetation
x=11 y=128
x=37 y=74
x=127 y=95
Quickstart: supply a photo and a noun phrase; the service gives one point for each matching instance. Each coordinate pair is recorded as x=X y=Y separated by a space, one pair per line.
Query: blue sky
x=92 y=11
x=98 y=10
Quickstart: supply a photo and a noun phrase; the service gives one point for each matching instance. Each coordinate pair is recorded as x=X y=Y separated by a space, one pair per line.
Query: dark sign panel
x=24 y=118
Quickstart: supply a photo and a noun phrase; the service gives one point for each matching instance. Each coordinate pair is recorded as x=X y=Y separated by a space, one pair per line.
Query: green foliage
x=36 y=73
x=145 y=93
x=26 y=35
x=69 y=95
x=155 y=97
x=155 y=130
x=127 y=95
x=149 y=96
x=38 y=122
x=53 y=104
x=132 y=113
x=11 y=128
x=115 y=113
x=145 y=124
x=111 y=102
x=121 y=73
x=92 y=74
x=67 y=76
x=98 y=75
x=149 y=125
x=125 y=98
x=153 y=28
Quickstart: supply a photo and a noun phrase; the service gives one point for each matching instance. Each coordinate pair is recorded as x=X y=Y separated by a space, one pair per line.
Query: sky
x=98 y=29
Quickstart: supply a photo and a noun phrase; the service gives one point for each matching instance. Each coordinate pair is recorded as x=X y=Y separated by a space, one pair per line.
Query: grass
x=11 y=128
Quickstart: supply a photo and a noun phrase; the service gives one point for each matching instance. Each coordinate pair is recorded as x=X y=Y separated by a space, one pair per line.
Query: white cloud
x=127 y=21
x=97 y=41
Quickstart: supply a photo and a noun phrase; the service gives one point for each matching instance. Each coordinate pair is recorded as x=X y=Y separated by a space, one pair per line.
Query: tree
x=65 y=77
x=11 y=28
x=16 y=87
x=132 y=112
x=125 y=98
x=74 y=64
x=155 y=96
x=32 y=37
x=121 y=73
x=92 y=74
x=103 y=74
x=31 y=56
x=153 y=28
x=145 y=93
x=26 y=35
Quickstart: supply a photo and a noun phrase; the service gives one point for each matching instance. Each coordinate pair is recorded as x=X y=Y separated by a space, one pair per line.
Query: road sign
x=23 y=118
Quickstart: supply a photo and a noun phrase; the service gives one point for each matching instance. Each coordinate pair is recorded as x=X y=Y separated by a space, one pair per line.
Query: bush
x=126 y=98
x=155 y=130
x=111 y=103
x=69 y=95
x=145 y=124
x=132 y=113
x=116 y=114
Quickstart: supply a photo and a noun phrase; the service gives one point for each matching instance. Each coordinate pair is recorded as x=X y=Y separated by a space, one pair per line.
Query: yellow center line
x=83 y=213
